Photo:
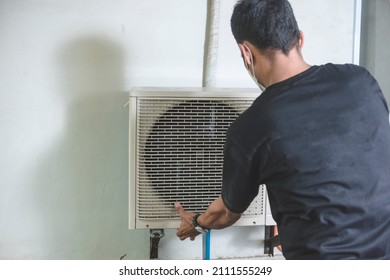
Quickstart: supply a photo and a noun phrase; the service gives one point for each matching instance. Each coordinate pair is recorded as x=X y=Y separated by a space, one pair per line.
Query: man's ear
x=245 y=53
x=301 y=40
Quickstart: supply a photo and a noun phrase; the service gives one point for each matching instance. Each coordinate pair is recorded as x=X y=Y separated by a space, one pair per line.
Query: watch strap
x=197 y=226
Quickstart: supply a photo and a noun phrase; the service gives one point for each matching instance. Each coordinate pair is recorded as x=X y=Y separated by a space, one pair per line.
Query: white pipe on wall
x=210 y=60
x=357 y=32
x=211 y=44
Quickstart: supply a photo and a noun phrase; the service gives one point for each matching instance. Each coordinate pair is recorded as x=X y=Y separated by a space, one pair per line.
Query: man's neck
x=282 y=67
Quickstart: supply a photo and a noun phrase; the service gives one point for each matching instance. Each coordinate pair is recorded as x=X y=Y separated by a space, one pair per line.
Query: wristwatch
x=197 y=226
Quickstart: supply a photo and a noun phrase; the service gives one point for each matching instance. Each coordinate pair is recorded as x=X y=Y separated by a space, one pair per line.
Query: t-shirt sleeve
x=239 y=184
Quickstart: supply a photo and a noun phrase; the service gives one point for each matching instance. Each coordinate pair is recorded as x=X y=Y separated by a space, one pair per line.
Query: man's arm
x=217 y=216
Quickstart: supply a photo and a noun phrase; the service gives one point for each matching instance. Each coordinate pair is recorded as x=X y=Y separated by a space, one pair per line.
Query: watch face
x=200 y=229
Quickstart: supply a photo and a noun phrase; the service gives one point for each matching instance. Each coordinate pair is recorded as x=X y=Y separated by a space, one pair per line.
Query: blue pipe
x=207 y=245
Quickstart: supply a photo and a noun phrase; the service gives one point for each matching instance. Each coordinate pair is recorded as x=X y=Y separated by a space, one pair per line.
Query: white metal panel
x=176 y=152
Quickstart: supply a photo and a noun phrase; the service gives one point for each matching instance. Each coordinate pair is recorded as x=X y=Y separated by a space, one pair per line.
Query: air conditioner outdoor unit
x=176 y=140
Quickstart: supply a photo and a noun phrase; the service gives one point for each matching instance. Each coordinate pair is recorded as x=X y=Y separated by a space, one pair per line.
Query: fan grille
x=180 y=153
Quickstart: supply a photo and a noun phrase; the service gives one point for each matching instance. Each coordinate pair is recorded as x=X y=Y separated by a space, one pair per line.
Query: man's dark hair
x=267 y=24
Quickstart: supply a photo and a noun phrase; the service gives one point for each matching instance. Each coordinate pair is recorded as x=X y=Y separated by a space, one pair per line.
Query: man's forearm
x=217 y=216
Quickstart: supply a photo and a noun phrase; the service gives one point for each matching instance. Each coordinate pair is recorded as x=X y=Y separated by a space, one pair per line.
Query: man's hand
x=216 y=216
x=186 y=228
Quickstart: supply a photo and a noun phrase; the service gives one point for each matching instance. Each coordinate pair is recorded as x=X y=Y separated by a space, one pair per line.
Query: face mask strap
x=251 y=71
x=251 y=58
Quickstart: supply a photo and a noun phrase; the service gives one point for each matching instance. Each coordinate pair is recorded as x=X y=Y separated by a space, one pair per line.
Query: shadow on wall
x=81 y=184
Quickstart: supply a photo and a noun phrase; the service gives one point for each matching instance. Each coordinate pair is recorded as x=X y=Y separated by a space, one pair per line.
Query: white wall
x=65 y=70
x=376 y=41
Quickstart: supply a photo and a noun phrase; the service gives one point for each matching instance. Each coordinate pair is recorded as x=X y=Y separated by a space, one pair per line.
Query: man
x=318 y=137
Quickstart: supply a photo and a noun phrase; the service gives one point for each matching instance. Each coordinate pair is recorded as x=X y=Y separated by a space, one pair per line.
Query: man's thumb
x=178 y=207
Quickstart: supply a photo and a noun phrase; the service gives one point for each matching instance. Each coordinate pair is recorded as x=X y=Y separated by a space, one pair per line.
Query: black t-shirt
x=320 y=142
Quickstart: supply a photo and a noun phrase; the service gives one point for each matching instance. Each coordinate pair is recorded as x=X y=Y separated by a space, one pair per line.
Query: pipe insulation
x=210 y=58
x=357 y=32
